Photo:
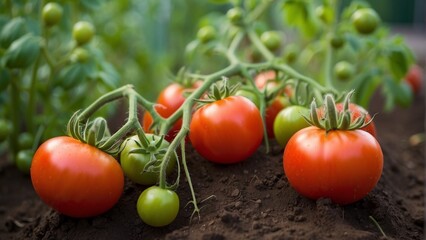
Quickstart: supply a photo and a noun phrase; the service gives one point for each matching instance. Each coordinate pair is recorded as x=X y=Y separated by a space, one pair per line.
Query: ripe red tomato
x=414 y=78
x=357 y=111
x=341 y=165
x=169 y=100
x=75 y=178
x=227 y=131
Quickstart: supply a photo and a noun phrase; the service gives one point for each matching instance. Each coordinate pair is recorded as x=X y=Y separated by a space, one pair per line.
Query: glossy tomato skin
x=158 y=207
x=341 y=165
x=288 y=121
x=169 y=100
x=76 y=179
x=227 y=131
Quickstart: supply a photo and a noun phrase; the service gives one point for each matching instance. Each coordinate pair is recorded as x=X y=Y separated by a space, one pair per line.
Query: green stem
x=259 y=11
x=208 y=81
x=259 y=45
x=32 y=97
x=15 y=107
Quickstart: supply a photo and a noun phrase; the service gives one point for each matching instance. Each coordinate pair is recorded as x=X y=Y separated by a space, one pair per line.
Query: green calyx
x=95 y=133
x=219 y=91
x=330 y=118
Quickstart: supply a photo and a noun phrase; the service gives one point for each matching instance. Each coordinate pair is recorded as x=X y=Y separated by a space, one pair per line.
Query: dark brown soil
x=252 y=200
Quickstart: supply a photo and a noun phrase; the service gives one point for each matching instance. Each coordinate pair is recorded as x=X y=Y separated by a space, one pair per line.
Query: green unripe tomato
x=80 y=55
x=51 y=14
x=235 y=15
x=158 y=207
x=271 y=40
x=337 y=41
x=23 y=160
x=291 y=53
x=206 y=34
x=344 y=70
x=288 y=122
x=365 y=20
x=83 y=32
x=133 y=164
x=25 y=140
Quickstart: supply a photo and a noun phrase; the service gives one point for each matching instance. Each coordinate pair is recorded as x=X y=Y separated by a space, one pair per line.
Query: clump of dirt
x=249 y=200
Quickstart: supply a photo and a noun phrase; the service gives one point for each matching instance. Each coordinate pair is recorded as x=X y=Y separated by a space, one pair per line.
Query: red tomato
x=169 y=100
x=271 y=113
x=357 y=111
x=75 y=178
x=341 y=165
x=227 y=131
x=414 y=78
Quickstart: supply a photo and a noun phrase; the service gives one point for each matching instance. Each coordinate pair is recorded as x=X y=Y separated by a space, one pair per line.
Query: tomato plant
x=158 y=207
x=333 y=160
x=227 y=131
x=140 y=162
x=288 y=122
x=76 y=179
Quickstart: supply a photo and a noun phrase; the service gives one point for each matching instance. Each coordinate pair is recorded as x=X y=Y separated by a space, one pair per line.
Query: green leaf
x=22 y=52
x=72 y=75
x=398 y=62
x=108 y=75
x=300 y=14
x=13 y=30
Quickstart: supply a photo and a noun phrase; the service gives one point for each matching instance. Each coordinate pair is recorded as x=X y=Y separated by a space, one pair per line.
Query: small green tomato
x=206 y=34
x=51 y=14
x=83 y=32
x=158 y=207
x=288 y=122
x=344 y=70
x=271 y=40
x=365 y=20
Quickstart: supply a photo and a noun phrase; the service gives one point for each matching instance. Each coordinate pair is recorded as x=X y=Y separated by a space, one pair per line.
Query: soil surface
x=252 y=200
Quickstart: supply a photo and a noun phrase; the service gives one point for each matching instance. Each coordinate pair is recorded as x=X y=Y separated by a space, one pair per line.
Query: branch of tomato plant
x=259 y=10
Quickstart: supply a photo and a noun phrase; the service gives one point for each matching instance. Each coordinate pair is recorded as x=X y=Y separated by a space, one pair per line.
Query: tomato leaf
x=22 y=52
x=398 y=63
x=72 y=75
x=13 y=30
x=299 y=14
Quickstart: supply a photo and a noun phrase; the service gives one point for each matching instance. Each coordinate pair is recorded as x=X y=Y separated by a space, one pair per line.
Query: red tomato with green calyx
x=75 y=178
x=357 y=111
x=227 y=131
x=343 y=165
x=169 y=101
